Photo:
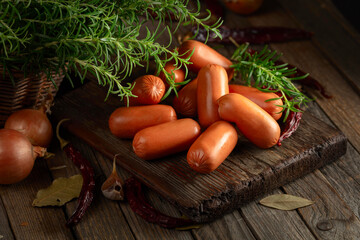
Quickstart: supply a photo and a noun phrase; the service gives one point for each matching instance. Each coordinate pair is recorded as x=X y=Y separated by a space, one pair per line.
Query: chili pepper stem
x=234 y=42
x=62 y=141
x=114 y=165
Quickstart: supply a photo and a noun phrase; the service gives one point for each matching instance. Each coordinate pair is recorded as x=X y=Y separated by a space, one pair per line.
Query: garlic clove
x=113 y=187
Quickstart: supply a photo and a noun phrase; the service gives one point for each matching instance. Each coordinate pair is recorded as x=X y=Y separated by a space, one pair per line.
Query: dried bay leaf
x=285 y=202
x=61 y=191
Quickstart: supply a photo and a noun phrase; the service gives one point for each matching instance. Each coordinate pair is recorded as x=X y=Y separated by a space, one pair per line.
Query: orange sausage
x=204 y=55
x=149 y=89
x=256 y=124
x=259 y=98
x=178 y=73
x=186 y=102
x=212 y=84
x=124 y=122
x=166 y=138
x=212 y=147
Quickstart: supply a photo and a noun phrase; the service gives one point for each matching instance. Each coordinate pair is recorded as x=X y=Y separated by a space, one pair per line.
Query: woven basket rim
x=19 y=75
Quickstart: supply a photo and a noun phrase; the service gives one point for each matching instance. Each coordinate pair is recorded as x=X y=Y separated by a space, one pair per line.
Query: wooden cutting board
x=246 y=174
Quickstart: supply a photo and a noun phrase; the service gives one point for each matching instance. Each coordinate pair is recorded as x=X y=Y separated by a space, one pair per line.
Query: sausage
x=212 y=147
x=259 y=98
x=165 y=139
x=254 y=122
x=204 y=55
x=124 y=122
x=212 y=84
x=178 y=73
x=149 y=89
x=186 y=101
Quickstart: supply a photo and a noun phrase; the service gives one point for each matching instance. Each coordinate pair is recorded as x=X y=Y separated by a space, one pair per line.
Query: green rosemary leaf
x=260 y=70
x=98 y=37
x=167 y=94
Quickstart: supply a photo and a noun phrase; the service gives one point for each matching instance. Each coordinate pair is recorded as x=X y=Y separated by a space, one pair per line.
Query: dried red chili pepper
x=290 y=125
x=87 y=172
x=310 y=82
x=253 y=35
x=138 y=203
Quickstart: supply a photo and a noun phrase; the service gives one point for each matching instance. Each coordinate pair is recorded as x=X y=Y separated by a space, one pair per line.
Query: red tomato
x=149 y=89
x=243 y=6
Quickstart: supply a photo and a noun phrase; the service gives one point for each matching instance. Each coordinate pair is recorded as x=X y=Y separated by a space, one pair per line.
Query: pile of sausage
x=218 y=107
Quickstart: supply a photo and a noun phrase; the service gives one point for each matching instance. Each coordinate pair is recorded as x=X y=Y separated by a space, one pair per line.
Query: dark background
x=351 y=11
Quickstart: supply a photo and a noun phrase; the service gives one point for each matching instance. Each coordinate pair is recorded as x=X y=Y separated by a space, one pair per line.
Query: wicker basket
x=29 y=92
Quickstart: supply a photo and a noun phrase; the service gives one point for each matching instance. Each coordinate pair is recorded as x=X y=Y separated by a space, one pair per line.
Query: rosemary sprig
x=260 y=70
x=92 y=36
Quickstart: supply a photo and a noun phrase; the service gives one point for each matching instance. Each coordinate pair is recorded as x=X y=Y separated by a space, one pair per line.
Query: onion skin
x=17 y=156
x=34 y=124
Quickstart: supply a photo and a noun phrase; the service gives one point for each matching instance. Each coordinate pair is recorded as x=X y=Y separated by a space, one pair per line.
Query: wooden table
x=332 y=57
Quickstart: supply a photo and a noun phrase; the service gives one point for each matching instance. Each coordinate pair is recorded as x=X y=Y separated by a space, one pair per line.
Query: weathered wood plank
x=26 y=221
x=268 y=223
x=104 y=217
x=329 y=217
x=343 y=174
x=139 y=227
x=330 y=6
x=230 y=226
x=5 y=230
x=344 y=177
x=329 y=35
x=344 y=108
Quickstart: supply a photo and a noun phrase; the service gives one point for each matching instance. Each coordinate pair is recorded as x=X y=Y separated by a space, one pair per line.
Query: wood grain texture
x=246 y=173
x=269 y=223
x=139 y=227
x=104 y=217
x=344 y=177
x=343 y=174
x=230 y=226
x=329 y=217
x=329 y=6
x=344 y=108
x=330 y=35
x=5 y=230
x=28 y=222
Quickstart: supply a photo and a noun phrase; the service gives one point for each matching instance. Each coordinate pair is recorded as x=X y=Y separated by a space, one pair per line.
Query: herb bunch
x=92 y=36
x=260 y=70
